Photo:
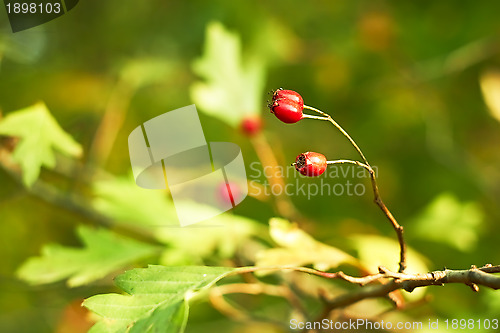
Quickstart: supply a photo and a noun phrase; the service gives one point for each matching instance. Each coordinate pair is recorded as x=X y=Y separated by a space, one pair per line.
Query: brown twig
x=395 y=225
x=217 y=294
x=373 y=178
x=409 y=305
x=480 y=276
x=473 y=276
x=378 y=285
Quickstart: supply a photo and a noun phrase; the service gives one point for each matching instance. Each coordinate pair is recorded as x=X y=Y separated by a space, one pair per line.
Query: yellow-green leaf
x=123 y=201
x=104 y=253
x=298 y=249
x=490 y=87
x=233 y=86
x=450 y=221
x=375 y=251
x=40 y=137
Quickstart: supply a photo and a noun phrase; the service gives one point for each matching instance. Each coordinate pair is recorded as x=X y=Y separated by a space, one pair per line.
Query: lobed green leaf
x=299 y=248
x=103 y=253
x=40 y=137
x=157 y=301
x=233 y=86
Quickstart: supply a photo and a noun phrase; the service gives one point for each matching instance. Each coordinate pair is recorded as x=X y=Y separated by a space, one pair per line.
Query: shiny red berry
x=287 y=110
x=251 y=125
x=311 y=164
x=288 y=95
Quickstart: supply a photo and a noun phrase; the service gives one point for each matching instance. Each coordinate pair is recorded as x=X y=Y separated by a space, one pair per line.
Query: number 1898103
x=33 y=8
x=461 y=324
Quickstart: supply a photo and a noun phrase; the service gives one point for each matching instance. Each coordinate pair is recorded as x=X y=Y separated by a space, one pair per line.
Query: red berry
x=311 y=164
x=251 y=125
x=229 y=193
x=288 y=95
x=287 y=110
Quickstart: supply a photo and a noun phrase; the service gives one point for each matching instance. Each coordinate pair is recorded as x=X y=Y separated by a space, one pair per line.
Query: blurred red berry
x=229 y=193
x=311 y=164
x=288 y=95
x=287 y=110
x=251 y=125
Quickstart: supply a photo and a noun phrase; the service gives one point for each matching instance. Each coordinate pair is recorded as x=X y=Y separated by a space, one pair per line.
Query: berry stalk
x=330 y=119
x=376 y=193
x=378 y=201
x=288 y=105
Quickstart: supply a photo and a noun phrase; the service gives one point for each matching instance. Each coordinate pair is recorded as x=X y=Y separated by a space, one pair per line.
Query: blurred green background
x=403 y=78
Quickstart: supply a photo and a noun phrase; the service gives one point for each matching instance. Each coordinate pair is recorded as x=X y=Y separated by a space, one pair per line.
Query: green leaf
x=157 y=301
x=233 y=87
x=220 y=236
x=299 y=249
x=40 y=136
x=104 y=253
x=490 y=87
x=375 y=251
x=449 y=221
x=122 y=200
x=22 y=47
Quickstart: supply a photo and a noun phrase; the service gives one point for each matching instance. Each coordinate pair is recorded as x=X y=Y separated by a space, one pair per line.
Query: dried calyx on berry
x=311 y=164
x=287 y=106
x=289 y=95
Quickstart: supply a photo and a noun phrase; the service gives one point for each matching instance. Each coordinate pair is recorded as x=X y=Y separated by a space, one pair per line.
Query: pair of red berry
x=288 y=106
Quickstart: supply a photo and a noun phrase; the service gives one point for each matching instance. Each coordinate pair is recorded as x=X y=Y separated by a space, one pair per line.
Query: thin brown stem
x=313 y=117
x=217 y=297
x=373 y=178
x=378 y=286
x=330 y=119
x=474 y=276
x=347 y=162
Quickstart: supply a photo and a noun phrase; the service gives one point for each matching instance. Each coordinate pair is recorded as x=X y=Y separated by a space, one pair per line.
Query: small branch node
x=474 y=287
